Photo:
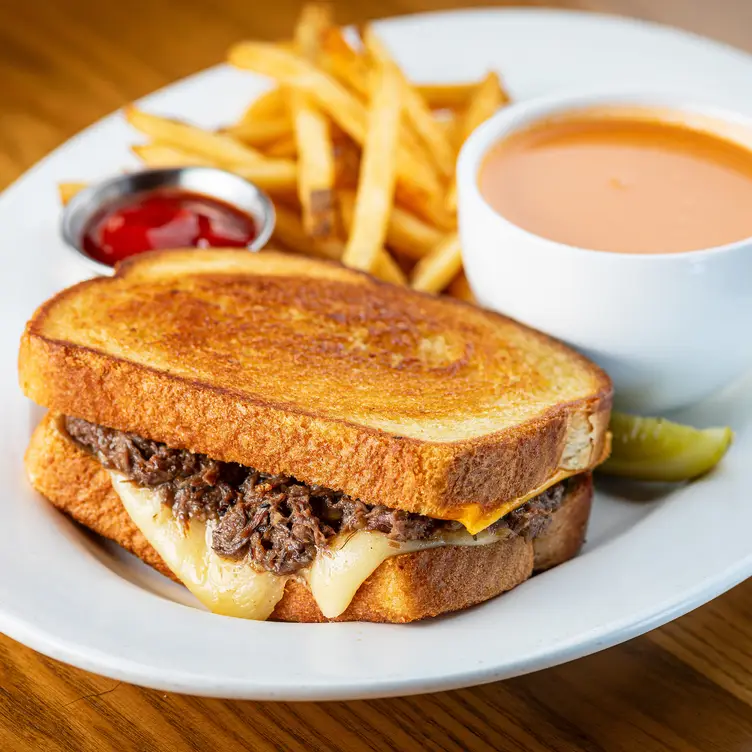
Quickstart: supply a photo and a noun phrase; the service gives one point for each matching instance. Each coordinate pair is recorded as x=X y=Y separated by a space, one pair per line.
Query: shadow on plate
x=635 y=491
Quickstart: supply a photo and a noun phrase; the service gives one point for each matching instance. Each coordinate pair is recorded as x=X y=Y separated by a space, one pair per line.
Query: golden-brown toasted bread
x=299 y=366
x=404 y=588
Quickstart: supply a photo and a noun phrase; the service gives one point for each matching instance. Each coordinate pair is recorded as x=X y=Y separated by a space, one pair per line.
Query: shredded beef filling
x=276 y=521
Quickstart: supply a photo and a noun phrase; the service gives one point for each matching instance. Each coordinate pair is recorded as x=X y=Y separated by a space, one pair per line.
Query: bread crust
x=404 y=588
x=444 y=479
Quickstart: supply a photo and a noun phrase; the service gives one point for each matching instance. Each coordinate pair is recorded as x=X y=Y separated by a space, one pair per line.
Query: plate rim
x=121 y=668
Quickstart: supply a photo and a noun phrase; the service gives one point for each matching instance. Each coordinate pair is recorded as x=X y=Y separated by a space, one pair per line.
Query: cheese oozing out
x=235 y=588
x=224 y=586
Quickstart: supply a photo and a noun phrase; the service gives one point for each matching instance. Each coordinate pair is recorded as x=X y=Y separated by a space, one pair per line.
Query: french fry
x=340 y=104
x=431 y=208
x=345 y=109
x=262 y=132
x=66 y=191
x=156 y=154
x=313 y=137
x=411 y=236
x=436 y=270
x=351 y=69
x=378 y=169
x=460 y=289
x=451 y=198
x=446 y=96
x=406 y=234
x=285 y=148
x=448 y=123
x=416 y=178
x=314 y=20
x=386 y=268
x=315 y=166
x=278 y=175
x=487 y=98
x=342 y=62
x=289 y=199
x=289 y=231
x=213 y=146
x=346 y=202
x=270 y=105
x=268 y=59
x=346 y=164
x=417 y=112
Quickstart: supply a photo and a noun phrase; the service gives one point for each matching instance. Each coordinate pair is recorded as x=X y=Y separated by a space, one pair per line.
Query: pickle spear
x=656 y=449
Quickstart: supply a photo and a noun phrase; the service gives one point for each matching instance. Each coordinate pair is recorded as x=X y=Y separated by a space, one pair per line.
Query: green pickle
x=656 y=449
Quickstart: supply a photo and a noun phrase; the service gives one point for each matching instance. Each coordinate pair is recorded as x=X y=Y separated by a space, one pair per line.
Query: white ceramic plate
x=73 y=597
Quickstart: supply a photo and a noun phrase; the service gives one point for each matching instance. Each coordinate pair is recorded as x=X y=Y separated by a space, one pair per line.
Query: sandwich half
x=294 y=440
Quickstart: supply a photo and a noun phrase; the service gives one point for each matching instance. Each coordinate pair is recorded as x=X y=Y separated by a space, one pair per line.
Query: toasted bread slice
x=404 y=588
x=299 y=366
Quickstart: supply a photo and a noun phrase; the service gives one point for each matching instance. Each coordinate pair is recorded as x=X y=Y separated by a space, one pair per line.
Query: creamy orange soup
x=627 y=185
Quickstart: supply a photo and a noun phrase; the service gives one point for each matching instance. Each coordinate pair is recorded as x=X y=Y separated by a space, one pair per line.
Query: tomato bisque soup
x=621 y=182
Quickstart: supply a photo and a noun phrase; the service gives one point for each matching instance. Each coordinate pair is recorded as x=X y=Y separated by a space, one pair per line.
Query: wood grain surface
x=687 y=686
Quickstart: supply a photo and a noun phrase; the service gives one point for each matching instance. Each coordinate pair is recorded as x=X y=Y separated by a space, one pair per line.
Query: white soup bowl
x=668 y=328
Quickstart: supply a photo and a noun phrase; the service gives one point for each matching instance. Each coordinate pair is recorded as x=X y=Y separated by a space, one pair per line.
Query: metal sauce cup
x=207 y=181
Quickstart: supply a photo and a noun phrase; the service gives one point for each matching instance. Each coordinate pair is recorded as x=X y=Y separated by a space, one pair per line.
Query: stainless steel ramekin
x=208 y=181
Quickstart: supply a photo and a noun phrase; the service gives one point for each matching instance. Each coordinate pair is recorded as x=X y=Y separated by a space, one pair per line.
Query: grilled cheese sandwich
x=377 y=463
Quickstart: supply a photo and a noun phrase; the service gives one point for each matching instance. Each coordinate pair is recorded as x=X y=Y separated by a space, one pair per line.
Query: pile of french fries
x=359 y=161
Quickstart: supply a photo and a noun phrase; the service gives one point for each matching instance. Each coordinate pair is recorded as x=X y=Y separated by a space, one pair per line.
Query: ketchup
x=165 y=219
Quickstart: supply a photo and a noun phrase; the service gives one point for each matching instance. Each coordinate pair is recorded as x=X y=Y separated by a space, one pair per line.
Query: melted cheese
x=350 y=559
x=476 y=520
x=234 y=588
x=348 y=562
x=222 y=585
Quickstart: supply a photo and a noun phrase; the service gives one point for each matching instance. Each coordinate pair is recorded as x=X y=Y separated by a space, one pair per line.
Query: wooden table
x=687 y=686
